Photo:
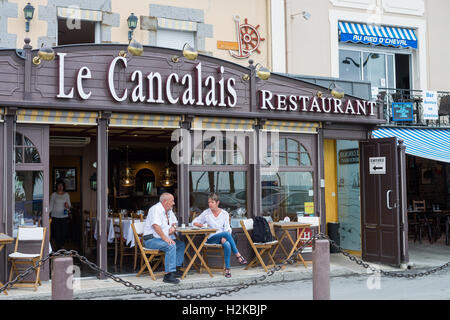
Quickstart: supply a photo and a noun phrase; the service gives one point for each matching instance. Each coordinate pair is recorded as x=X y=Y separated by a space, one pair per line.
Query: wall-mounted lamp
x=306 y=15
x=188 y=52
x=28 y=12
x=336 y=92
x=44 y=53
x=132 y=24
x=261 y=72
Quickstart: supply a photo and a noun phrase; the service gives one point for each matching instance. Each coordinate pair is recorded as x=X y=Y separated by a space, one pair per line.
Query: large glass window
x=219 y=165
x=28 y=195
x=348 y=195
x=286 y=194
x=230 y=186
x=375 y=67
x=289 y=190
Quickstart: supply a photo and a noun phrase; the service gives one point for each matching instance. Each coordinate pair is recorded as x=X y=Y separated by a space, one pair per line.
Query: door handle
x=387 y=199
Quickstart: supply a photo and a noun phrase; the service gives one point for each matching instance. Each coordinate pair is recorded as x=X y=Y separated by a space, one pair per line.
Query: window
x=291 y=153
x=382 y=70
x=377 y=68
x=217 y=151
x=219 y=165
x=289 y=191
x=81 y=32
x=25 y=150
x=174 y=39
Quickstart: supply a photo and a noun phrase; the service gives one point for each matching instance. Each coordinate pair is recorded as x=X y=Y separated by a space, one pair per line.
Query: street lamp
x=28 y=12
x=132 y=23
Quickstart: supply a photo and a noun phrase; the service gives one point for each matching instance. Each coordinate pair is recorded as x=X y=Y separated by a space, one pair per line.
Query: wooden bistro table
x=285 y=227
x=4 y=240
x=190 y=233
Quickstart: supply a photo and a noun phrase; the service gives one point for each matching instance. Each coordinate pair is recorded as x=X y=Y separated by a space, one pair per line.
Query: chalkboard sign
x=402 y=111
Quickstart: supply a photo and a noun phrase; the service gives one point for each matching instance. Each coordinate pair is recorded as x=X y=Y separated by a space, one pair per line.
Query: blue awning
x=425 y=143
x=378 y=35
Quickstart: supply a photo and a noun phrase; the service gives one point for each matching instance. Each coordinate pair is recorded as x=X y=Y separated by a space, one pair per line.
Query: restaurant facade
x=217 y=126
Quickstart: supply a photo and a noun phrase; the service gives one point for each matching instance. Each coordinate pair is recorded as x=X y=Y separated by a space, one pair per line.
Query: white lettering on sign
x=377 y=165
x=281 y=102
x=61 y=93
x=155 y=88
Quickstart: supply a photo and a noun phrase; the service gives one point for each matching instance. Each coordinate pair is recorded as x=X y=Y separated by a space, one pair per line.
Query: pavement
x=422 y=256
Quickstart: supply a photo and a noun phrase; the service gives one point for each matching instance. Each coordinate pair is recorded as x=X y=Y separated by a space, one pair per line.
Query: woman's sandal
x=241 y=260
x=227 y=273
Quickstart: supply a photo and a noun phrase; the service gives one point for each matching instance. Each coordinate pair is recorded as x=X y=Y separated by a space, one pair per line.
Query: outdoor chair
x=120 y=247
x=260 y=249
x=88 y=230
x=147 y=255
x=217 y=251
x=26 y=234
x=423 y=222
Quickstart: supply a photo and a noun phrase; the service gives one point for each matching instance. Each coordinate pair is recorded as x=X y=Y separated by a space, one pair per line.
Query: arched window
x=290 y=153
x=218 y=151
x=26 y=151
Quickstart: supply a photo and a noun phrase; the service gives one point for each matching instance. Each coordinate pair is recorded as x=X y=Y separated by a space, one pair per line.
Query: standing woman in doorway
x=59 y=210
x=219 y=219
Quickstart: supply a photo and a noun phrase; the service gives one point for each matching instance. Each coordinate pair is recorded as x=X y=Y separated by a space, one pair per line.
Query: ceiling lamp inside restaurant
x=127 y=176
x=167 y=175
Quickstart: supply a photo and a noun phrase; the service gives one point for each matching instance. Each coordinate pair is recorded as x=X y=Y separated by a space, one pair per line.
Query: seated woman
x=219 y=219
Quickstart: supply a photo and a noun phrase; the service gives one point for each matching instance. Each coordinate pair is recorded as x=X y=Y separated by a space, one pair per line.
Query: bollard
x=321 y=270
x=62 y=276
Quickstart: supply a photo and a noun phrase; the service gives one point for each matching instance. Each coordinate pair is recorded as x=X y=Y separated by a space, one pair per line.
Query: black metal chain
x=290 y=260
x=93 y=266
x=397 y=274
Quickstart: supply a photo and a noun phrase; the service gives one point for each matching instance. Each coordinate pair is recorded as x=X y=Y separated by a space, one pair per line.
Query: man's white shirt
x=157 y=215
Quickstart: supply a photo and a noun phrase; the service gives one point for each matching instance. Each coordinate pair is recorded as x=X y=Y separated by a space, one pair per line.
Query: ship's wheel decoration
x=248 y=38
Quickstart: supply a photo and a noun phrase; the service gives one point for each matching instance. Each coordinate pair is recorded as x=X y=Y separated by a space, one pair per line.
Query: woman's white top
x=221 y=222
x=57 y=204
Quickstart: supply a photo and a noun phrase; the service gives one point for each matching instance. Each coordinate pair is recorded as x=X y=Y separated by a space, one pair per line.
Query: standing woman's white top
x=221 y=222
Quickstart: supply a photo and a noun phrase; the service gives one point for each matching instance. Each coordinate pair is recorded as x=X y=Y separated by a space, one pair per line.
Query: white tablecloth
x=126 y=228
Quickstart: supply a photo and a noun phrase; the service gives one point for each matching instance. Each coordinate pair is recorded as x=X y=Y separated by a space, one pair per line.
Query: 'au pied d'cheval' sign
x=198 y=88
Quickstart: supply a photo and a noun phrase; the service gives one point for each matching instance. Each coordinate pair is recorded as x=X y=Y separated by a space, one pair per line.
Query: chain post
x=321 y=269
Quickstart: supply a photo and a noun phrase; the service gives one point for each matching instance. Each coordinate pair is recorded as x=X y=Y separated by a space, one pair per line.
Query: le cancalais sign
x=198 y=89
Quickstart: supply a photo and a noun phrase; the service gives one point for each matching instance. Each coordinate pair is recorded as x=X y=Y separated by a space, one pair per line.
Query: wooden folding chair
x=134 y=217
x=25 y=234
x=147 y=255
x=120 y=247
x=260 y=249
x=88 y=230
x=217 y=249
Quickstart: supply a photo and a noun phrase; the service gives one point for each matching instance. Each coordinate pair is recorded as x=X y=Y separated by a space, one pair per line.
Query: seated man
x=159 y=233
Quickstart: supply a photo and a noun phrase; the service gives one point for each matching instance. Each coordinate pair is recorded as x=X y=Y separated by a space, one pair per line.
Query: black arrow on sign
x=376 y=168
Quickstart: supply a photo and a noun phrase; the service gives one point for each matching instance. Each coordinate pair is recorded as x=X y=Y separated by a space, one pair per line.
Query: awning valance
x=291 y=126
x=210 y=123
x=377 y=35
x=144 y=120
x=425 y=143
x=81 y=14
x=57 y=117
